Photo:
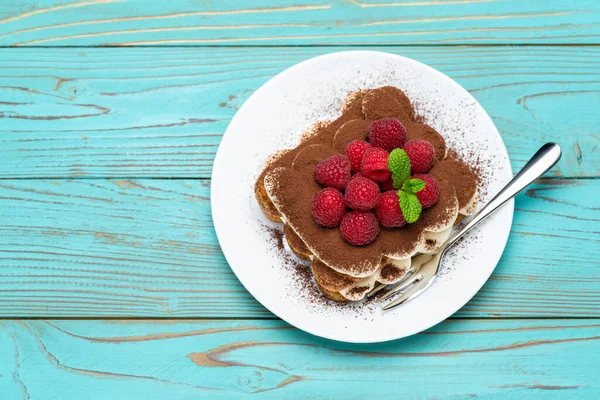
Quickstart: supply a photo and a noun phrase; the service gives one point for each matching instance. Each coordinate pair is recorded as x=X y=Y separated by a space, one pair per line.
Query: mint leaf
x=399 y=166
x=413 y=185
x=410 y=206
x=397 y=182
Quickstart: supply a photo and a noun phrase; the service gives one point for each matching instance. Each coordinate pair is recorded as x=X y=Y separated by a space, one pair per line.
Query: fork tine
x=402 y=287
x=414 y=292
x=381 y=286
x=376 y=289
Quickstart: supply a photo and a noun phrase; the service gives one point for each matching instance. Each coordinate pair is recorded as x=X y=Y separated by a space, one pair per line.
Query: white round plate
x=275 y=117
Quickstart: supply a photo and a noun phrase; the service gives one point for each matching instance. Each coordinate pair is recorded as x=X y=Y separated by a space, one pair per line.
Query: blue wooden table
x=112 y=283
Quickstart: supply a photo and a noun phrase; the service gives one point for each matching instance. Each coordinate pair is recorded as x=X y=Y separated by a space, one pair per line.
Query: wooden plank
x=144 y=248
x=268 y=22
x=549 y=359
x=161 y=112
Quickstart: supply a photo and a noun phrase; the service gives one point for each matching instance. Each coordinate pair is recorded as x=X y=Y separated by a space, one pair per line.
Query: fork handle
x=542 y=161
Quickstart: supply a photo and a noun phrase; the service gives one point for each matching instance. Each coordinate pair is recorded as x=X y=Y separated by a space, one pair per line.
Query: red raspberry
x=361 y=194
x=421 y=154
x=429 y=195
x=359 y=227
x=387 y=185
x=328 y=207
x=333 y=172
x=355 y=152
x=388 y=210
x=387 y=133
x=375 y=164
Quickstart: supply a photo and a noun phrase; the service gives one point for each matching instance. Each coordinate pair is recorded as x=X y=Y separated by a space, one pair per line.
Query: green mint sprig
x=410 y=206
x=413 y=185
x=409 y=203
x=399 y=166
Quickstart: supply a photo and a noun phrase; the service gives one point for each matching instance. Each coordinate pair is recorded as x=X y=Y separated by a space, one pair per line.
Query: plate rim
x=509 y=205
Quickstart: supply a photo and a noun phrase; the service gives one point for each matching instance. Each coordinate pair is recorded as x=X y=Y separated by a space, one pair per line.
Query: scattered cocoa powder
x=390 y=272
x=289 y=181
x=302 y=285
x=358 y=289
x=294 y=201
x=276 y=237
x=301 y=271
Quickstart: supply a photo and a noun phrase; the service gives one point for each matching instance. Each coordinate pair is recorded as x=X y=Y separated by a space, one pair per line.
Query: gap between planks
x=271 y=318
x=182 y=178
x=258 y=46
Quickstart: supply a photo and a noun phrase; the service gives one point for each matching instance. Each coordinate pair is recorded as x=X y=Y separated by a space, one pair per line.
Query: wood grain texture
x=137 y=247
x=553 y=359
x=142 y=248
x=302 y=22
x=162 y=112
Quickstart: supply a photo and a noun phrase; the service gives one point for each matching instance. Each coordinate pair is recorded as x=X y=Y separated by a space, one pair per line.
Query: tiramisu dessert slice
x=367 y=195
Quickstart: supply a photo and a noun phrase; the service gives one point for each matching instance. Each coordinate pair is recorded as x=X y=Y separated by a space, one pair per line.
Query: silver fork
x=542 y=161
x=411 y=271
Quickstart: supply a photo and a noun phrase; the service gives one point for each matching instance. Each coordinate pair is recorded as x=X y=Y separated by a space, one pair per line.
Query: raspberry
x=361 y=194
x=328 y=207
x=375 y=164
x=387 y=133
x=388 y=211
x=359 y=227
x=387 y=185
x=421 y=154
x=430 y=194
x=333 y=172
x=355 y=152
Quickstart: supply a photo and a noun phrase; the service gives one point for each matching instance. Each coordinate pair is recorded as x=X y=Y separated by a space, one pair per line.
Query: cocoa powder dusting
x=359 y=289
x=462 y=179
x=302 y=285
x=290 y=185
x=478 y=168
x=329 y=278
x=294 y=201
x=390 y=271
